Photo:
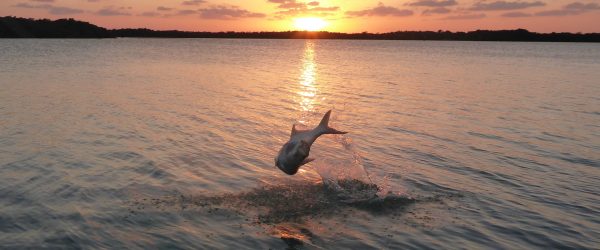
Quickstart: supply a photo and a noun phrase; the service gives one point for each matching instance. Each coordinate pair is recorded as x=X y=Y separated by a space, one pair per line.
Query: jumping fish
x=293 y=153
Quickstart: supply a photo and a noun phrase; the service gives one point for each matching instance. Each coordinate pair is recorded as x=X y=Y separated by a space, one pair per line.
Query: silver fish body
x=293 y=154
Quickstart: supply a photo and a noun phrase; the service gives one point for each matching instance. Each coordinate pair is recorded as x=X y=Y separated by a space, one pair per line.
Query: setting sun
x=309 y=23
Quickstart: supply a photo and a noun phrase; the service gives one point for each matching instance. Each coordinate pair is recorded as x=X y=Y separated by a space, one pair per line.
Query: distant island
x=16 y=27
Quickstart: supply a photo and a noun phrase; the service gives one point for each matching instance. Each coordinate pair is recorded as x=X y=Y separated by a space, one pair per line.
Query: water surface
x=146 y=143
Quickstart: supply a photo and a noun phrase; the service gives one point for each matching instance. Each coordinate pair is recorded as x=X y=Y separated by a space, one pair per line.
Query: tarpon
x=293 y=153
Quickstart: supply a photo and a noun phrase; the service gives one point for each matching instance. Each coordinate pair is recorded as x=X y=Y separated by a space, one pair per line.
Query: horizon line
x=307 y=31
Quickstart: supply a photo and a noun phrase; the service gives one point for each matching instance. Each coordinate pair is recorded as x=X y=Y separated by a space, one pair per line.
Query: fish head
x=291 y=156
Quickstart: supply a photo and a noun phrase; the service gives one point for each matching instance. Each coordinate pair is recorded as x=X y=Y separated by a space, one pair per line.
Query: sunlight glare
x=309 y=23
x=308 y=78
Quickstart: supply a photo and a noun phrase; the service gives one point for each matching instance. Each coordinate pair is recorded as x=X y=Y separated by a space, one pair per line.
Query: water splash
x=291 y=202
x=335 y=173
x=341 y=169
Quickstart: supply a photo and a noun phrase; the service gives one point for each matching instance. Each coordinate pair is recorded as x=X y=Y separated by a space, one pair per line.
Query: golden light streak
x=308 y=91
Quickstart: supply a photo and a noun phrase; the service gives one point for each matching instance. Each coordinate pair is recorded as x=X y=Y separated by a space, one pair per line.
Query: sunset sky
x=338 y=15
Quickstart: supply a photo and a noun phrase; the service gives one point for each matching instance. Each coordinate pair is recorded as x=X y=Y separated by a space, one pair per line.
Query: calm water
x=145 y=143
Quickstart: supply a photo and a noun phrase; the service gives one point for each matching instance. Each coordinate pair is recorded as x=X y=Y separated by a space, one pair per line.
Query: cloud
x=380 y=10
x=571 y=9
x=317 y=11
x=438 y=10
x=433 y=3
x=516 y=14
x=562 y=12
x=280 y=1
x=582 y=6
x=110 y=11
x=182 y=13
x=223 y=12
x=295 y=8
x=64 y=10
x=291 y=5
x=150 y=14
x=43 y=1
x=333 y=8
x=193 y=2
x=186 y=12
x=505 y=5
x=465 y=17
x=55 y=10
x=30 y=6
x=161 y=8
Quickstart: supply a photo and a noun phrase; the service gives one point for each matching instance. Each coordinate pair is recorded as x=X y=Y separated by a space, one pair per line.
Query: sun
x=309 y=23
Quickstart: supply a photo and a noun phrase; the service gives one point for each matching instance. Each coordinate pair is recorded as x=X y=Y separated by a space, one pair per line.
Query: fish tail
x=324 y=125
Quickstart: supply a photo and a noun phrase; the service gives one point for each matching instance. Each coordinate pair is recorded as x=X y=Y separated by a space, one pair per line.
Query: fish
x=293 y=154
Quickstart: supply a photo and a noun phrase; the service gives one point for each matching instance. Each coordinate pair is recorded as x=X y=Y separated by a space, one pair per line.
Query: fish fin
x=296 y=131
x=307 y=160
x=324 y=125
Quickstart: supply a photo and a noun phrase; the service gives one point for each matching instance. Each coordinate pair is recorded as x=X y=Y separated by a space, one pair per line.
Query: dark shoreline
x=15 y=27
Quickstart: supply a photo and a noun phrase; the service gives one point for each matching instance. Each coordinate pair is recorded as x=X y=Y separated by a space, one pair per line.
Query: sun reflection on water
x=308 y=90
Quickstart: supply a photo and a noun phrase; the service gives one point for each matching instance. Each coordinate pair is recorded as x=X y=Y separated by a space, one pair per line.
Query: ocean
x=170 y=143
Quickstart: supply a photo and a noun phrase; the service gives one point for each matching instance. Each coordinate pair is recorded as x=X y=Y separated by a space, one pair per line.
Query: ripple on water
x=278 y=207
x=483 y=159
